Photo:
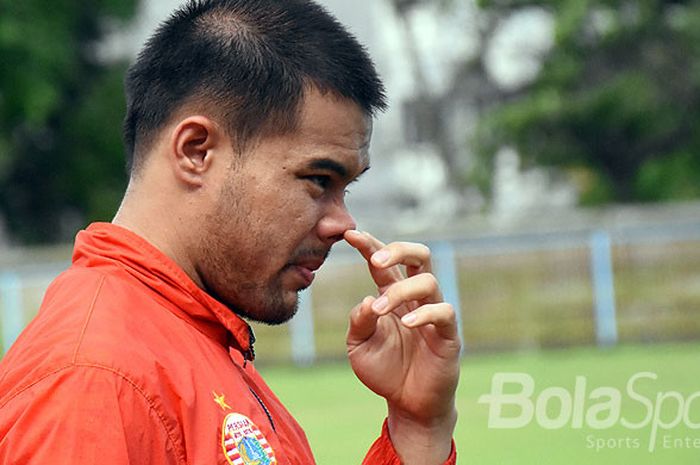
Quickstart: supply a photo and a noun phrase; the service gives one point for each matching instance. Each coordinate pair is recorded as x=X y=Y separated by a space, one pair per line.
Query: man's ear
x=194 y=141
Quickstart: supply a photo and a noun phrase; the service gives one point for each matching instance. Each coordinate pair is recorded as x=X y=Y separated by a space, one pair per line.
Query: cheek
x=289 y=211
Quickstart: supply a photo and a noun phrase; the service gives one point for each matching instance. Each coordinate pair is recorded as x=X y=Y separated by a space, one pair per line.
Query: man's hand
x=404 y=346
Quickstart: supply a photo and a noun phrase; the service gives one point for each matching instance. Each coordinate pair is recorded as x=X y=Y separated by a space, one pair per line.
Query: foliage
x=60 y=116
x=616 y=101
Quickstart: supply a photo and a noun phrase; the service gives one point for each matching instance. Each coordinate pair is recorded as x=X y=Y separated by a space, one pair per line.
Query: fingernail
x=409 y=318
x=380 y=304
x=381 y=257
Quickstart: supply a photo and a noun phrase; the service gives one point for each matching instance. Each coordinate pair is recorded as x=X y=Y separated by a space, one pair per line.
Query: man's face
x=281 y=208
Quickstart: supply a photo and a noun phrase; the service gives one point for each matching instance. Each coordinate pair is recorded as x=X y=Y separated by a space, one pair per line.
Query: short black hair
x=250 y=60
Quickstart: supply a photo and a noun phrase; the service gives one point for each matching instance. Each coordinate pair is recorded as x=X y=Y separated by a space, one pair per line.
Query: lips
x=305 y=269
x=306 y=275
x=312 y=263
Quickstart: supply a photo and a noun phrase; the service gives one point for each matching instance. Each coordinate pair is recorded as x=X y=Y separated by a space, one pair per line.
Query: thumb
x=363 y=323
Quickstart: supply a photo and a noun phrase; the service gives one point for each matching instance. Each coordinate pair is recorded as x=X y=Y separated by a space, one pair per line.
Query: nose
x=335 y=222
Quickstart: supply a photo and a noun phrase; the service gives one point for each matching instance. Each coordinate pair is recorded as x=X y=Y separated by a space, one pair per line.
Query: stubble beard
x=223 y=265
x=267 y=303
x=271 y=303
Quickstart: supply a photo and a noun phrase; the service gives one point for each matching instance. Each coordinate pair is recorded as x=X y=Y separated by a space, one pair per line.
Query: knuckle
x=398 y=248
x=425 y=250
x=355 y=314
x=398 y=291
x=355 y=321
x=430 y=281
x=416 y=248
x=450 y=312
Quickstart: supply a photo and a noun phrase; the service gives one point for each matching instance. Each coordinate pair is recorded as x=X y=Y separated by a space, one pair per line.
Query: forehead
x=324 y=111
x=331 y=125
x=329 y=129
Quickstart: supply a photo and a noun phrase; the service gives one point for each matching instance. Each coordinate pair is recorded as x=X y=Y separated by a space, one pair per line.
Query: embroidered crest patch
x=243 y=443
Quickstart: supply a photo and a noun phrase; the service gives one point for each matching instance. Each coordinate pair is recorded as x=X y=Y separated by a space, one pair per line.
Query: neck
x=161 y=225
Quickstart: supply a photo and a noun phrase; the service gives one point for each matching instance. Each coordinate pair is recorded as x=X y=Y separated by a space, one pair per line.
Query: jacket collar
x=109 y=245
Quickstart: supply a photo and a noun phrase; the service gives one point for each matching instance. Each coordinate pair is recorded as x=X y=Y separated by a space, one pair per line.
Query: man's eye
x=321 y=181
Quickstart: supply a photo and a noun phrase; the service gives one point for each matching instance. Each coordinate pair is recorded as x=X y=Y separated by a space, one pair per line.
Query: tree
x=616 y=101
x=61 y=161
x=467 y=89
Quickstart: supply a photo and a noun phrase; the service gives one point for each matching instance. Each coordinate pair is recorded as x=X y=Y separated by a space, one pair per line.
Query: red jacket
x=129 y=362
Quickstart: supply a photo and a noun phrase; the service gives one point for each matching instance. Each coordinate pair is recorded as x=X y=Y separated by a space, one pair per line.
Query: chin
x=275 y=311
x=273 y=318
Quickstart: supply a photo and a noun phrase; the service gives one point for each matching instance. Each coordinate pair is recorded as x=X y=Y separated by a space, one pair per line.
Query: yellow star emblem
x=219 y=399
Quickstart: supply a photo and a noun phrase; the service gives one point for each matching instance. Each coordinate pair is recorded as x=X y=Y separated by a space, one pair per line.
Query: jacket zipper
x=264 y=407
x=249 y=355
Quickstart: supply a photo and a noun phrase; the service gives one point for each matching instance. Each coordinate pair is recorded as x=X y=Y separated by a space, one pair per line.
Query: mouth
x=305 y=274
x=305 y=268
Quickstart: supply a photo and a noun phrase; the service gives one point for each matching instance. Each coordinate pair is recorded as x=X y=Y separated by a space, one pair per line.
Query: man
x=246 y=121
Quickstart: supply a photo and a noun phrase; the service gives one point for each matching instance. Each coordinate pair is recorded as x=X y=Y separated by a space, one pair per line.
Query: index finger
x=414 y=256
x=368 y=245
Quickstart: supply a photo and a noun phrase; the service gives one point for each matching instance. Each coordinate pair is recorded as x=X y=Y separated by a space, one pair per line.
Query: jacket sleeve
x=83 y=415
x=382 y=451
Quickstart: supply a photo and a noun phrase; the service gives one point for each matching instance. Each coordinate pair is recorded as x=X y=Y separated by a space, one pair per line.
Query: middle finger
x=422 y=288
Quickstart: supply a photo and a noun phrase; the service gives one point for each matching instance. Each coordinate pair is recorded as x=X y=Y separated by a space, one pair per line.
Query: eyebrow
x=332 y=165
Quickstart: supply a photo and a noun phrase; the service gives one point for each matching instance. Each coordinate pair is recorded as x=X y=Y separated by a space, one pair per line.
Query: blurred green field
x=341 y=418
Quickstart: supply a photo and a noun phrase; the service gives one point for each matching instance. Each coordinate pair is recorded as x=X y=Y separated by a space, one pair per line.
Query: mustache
x=317 y=253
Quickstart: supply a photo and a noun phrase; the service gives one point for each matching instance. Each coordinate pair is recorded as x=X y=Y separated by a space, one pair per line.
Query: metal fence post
x=301 y=329
x=447 y=275
x=603 y=288
x=12 y=313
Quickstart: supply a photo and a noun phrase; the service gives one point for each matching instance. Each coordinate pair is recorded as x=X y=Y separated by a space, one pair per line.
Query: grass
x=342 y=418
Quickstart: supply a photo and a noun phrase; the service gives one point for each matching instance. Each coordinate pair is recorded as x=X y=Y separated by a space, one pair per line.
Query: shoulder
x=89 y=322
x=53 y=339
x=86 y=411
